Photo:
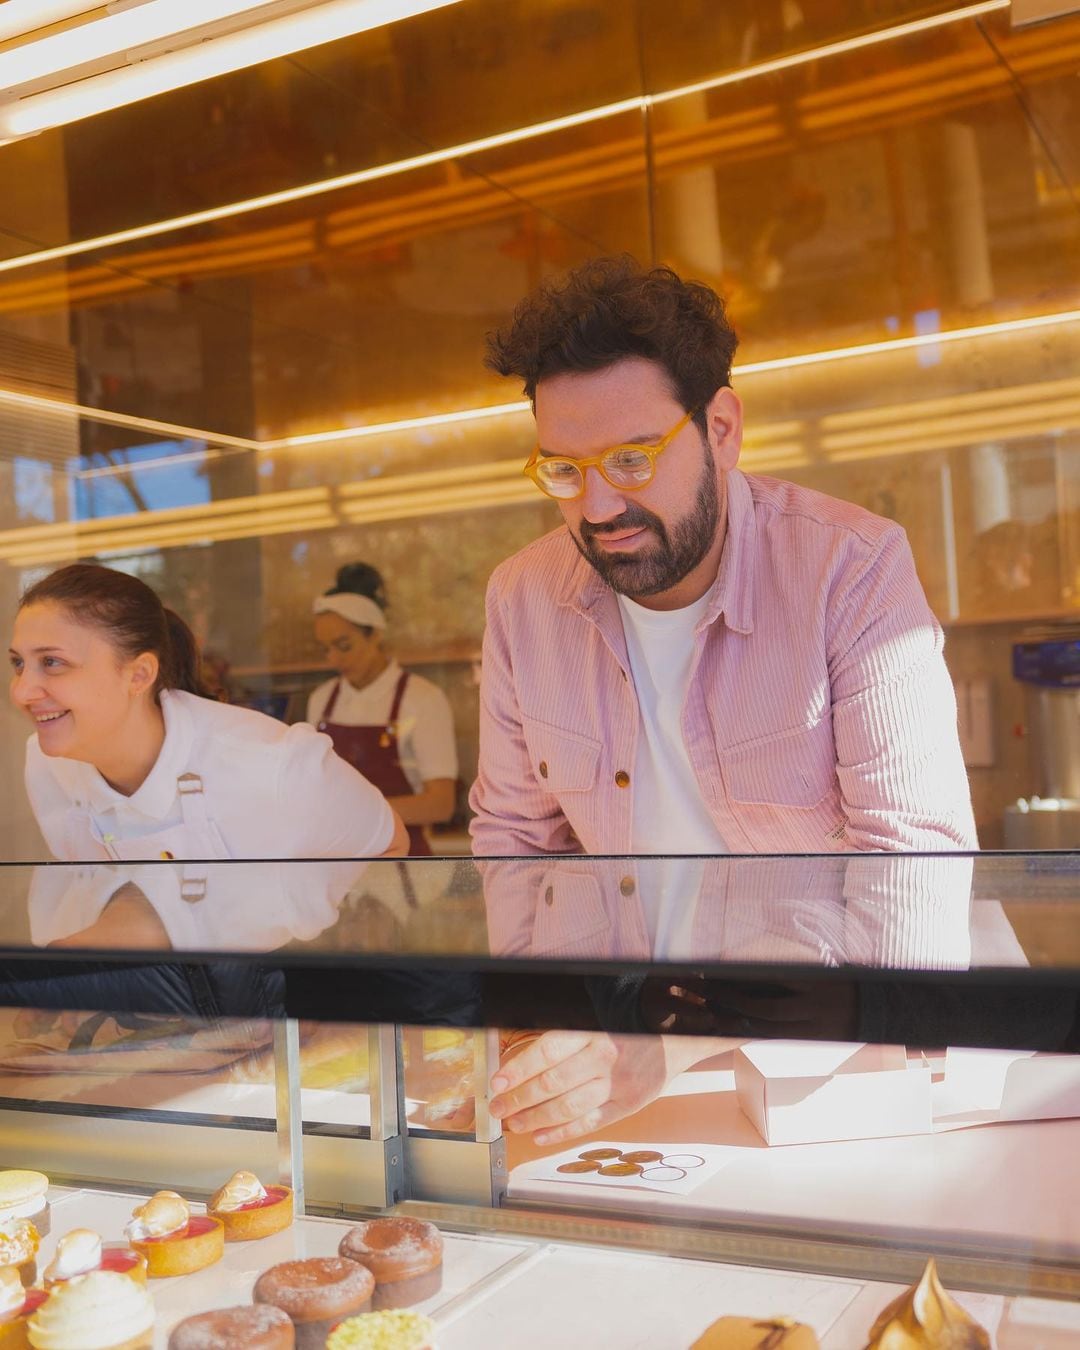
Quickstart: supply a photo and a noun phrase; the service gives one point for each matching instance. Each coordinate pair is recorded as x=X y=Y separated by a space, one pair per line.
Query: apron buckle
x=193 y=889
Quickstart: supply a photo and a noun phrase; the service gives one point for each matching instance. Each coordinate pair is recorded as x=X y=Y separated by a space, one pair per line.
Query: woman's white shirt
x=270 y=791
x=427 y=748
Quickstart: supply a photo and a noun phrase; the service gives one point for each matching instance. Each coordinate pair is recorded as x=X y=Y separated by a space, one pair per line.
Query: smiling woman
x=130 y=759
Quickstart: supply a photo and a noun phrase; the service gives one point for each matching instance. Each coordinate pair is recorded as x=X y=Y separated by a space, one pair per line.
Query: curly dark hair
x=611 y=308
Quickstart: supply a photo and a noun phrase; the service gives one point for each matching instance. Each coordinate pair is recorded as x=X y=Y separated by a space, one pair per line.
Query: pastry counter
x=823 y=1073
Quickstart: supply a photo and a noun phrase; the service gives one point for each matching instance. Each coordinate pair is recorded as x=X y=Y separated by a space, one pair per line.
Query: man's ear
x=723 y=415
x=143 y=673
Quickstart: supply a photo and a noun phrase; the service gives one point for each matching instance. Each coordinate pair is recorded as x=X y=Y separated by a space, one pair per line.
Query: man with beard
x=699 y=661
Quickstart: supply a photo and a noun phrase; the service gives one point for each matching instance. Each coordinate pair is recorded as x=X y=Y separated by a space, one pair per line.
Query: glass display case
x=767 y=1088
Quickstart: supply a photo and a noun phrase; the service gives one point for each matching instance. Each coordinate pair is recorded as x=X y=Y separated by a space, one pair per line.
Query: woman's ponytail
x=182 y=668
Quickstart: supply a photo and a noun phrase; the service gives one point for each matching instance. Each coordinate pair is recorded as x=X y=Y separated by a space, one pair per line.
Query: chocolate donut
x=259 y=1327
x=404 y=1255
x=317 y=1294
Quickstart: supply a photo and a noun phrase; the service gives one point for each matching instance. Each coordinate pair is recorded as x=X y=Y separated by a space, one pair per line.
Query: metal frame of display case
x=329 y=1170
x=117 y=1148
x=459 y=1169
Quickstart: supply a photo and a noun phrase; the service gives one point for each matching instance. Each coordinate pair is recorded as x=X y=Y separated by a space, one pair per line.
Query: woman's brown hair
x=130 y=615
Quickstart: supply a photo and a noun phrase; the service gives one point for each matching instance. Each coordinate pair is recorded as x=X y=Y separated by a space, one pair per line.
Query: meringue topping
x=19 y=1241
x=241 y=1189
x=926 y=1317
x=92 y=1312
x=163 y=1214
x=76 y=1254
x=12 y=1293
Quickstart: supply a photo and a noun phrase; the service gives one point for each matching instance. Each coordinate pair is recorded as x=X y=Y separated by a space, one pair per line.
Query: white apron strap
x=204 y=840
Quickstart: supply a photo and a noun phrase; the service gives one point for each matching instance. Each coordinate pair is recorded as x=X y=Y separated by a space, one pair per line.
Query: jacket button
x=549 y=896
x=543 y=768
x=626 y=886
x=622 y=779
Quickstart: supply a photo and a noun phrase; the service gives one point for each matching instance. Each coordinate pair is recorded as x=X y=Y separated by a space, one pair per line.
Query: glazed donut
x=404 y=1255
x=316 y=1294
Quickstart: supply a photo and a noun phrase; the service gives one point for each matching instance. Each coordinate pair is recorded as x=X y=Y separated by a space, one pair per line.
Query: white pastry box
x=801 y=1092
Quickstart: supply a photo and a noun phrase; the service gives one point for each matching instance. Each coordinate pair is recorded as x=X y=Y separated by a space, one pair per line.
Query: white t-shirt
x=270 y=791
x=669 y=813
x=426 y=745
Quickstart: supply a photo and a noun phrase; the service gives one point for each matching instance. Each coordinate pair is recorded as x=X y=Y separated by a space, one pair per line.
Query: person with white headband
x=130 y=761
x=395 y=727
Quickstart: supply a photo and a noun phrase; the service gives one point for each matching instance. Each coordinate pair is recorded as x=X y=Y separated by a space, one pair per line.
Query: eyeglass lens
x=624 y=467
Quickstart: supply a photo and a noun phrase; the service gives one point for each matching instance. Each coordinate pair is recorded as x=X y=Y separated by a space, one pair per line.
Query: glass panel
x=844 y=174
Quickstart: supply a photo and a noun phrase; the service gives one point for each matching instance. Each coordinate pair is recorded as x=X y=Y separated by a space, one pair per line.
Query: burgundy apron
x=374 y=751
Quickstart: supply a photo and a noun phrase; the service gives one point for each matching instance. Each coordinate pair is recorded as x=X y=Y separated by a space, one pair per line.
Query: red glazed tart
x=172 y=1239
x=404 y=1255
x=81 y=1251
x=16 y=1306
x=317 y=1294
x=249 y=1210
x=259 y=1327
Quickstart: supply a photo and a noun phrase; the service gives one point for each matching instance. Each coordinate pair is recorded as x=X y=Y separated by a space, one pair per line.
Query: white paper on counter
x=714 y=1157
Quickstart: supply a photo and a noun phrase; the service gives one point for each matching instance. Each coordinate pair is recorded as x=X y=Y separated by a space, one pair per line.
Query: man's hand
x=567 y=1084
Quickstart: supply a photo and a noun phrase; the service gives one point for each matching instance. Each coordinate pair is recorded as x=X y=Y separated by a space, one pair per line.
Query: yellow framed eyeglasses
x=625 y=467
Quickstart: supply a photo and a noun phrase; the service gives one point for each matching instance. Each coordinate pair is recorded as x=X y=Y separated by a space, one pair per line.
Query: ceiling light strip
x=19 y=18
x=263 y=41
x=853 y=44
x=463 y=150
x=404 y=424
x=908 y=343
x=127 y=420
x=171 y=461
x=113 y=36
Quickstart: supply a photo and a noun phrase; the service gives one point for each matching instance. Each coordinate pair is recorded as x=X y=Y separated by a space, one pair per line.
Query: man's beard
x=658 y=566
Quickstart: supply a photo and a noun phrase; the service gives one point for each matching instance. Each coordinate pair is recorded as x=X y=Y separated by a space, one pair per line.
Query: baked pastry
x=248 y=1209
x=99 y=1311
x=81 y=1251
x=16 y=1305
x=173 y=1240
x=259 y=1327
x=19 y=1242
x=390 y=1330
x=404 y=1255
x=317 y=1294
x=24 y=1195
x=756 y=1333
x=926 y=1317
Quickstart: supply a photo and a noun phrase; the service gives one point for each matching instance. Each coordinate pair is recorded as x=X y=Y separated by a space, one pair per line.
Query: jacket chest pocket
x=563 y=761
x=794 y=768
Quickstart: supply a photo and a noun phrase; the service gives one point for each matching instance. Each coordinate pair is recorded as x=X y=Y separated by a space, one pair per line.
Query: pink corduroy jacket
x=820 y=716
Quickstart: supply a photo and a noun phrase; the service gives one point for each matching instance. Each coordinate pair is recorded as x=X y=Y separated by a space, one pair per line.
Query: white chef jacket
x=260 y=789
x=255 y=908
